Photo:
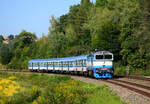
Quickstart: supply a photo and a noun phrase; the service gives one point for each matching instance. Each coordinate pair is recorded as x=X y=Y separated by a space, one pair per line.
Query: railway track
x=138 y=88
x=138 y=77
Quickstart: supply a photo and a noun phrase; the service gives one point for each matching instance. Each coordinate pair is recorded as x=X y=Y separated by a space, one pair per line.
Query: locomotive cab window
x=108 y=56
x=99 y=56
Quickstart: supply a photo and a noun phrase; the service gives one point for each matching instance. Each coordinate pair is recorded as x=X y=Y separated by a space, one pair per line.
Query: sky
x=30 y=15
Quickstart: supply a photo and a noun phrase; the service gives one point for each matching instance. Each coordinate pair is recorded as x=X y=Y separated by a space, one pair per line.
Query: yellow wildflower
x=8 y=87
x=12 y=78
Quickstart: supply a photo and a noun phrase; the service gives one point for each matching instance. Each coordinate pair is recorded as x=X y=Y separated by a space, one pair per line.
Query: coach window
x=30 y=64
x=85 y=62
x=78 y=62
x=81 y=62
x=71 y=63
x=66 y=63
x=48 y=63
x=55 y=63
x=75 y=62
x=33 y=64
x=61 y=63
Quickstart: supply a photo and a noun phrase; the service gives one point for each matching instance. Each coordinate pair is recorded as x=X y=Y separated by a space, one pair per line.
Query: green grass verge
x=43 y=89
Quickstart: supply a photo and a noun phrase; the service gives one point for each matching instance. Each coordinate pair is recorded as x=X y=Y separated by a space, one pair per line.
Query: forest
x=119 y=26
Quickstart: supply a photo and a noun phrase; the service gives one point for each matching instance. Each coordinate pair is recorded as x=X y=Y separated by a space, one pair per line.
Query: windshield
x=104 y=57
x=108 y=56
x=99 y=56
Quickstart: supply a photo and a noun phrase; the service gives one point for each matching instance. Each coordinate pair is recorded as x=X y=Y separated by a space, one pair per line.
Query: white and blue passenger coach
x=97 y=64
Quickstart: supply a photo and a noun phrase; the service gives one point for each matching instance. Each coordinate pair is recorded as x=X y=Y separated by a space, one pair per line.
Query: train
x=97 y=64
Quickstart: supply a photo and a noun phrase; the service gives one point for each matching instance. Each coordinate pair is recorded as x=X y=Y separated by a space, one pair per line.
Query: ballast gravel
x=128 y=96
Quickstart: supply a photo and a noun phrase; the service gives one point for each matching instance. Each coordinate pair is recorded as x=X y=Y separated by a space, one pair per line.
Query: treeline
x=119 y=26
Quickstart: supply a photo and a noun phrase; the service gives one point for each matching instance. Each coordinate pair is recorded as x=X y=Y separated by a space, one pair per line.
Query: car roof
x=61 y=59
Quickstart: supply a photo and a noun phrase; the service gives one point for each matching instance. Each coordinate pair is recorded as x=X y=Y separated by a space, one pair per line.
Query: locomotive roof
x=102 y=52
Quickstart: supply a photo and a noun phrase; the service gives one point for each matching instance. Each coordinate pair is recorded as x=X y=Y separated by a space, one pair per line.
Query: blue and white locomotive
x=96 y=64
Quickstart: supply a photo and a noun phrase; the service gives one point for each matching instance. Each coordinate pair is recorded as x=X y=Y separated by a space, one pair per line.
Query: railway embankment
x=131 y=90
x=25 y=87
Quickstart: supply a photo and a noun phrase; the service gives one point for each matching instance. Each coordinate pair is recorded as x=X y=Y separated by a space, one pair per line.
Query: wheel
x=90 y=74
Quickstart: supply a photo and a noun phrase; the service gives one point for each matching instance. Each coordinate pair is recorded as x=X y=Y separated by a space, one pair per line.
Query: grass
x=43 y=89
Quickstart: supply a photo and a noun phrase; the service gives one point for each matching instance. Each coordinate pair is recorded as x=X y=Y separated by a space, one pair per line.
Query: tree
x=11 y=37
x=101 y=3
x=26 y=38
x=1 y=39
x=20 y=48
x=5 y=54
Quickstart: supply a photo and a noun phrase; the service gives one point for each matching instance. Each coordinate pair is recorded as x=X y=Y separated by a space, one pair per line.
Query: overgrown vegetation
x=43 y=89
x=119 y=26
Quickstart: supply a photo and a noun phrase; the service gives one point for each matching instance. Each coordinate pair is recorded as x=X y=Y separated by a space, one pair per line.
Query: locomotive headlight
x=109 y=70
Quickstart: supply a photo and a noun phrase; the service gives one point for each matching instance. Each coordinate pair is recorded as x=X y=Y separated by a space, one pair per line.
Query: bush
x=119 y=69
